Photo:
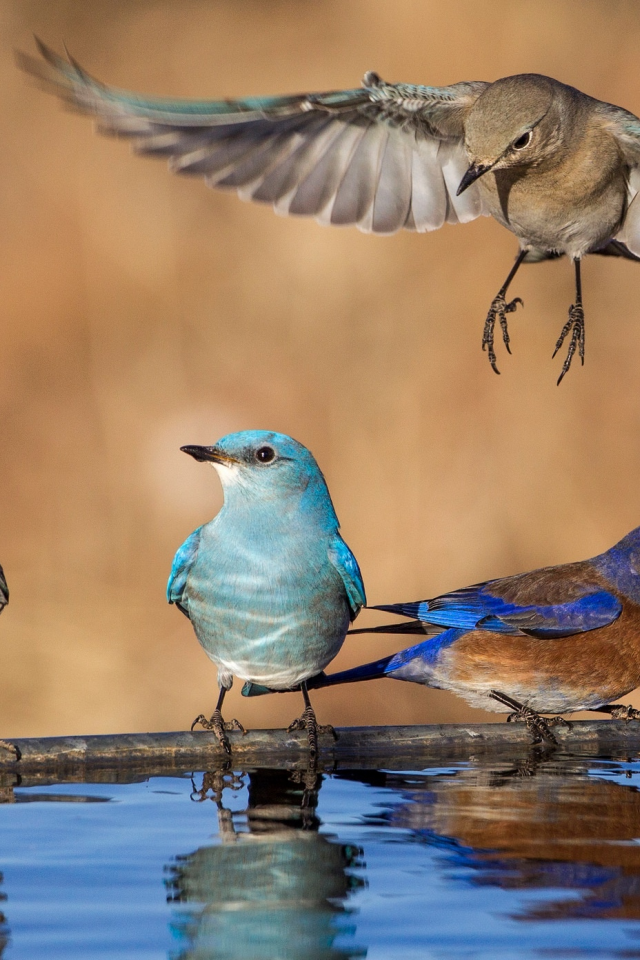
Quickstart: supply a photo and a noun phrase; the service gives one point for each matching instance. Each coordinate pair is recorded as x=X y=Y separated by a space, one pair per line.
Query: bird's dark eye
x=265 y=454
x=522 y=141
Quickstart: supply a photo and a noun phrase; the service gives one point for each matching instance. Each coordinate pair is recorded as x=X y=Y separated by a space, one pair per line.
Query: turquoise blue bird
x=269 y=584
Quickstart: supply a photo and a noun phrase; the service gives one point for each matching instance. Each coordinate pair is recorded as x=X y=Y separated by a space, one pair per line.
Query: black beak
x=208 y=454
x=475 y=171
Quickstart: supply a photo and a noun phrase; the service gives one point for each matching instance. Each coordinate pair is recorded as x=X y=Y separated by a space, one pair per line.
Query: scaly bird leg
x=309 y=723
x=539 y=727
x=575 y=324
x=619 y=712
x=498 y=311
x=218 y=725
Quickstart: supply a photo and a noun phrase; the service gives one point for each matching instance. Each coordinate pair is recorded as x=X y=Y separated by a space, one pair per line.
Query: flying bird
x=557 y=168
x=269 y=584
x=554 y=640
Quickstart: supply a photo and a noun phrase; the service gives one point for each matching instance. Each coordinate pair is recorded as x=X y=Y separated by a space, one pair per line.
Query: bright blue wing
x=476 y=608
x=347 y=566
x=182 y=563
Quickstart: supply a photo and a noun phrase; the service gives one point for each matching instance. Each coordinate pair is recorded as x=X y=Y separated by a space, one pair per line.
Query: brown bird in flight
x=553 y=165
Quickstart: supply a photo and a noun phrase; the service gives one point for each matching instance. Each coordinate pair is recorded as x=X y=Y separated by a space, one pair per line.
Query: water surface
x=531 y=856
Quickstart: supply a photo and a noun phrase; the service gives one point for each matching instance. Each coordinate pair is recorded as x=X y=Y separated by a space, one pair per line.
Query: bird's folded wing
x=383 y=156
x=182 y=563
x=625 y=128
x=476 y=608
x=347 y=566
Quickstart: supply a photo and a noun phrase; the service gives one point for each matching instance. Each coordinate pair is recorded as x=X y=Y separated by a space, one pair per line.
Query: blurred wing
x=347 y=566
x=4 y=590
x=476 y=608
x=383 y=156
x=182 y=563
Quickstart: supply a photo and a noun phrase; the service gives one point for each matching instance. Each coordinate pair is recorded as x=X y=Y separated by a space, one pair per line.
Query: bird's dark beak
x=475 y=171
x=209 y=455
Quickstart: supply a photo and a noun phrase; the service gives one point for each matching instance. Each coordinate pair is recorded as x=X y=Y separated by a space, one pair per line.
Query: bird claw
x=219 y=726
x=12 y=747
x=575 y=324
x=498 y=311
x=539 y=727
x=309 y=723
x=626 y=713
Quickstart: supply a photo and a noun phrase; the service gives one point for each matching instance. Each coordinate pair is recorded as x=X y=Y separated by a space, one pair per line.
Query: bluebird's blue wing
x=182 y=563
x=347 y=566
x=477 y=608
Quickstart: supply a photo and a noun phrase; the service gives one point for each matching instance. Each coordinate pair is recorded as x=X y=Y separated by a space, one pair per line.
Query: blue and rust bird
x=554 y=640
x=558 y=168
x=269 y=584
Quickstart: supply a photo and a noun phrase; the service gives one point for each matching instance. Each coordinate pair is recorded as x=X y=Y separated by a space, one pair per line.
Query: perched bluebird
x=553 y=165
x=558 y=639
x=269 y=584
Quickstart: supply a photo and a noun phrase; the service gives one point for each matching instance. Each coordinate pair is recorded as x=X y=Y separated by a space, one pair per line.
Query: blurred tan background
x=141 y=311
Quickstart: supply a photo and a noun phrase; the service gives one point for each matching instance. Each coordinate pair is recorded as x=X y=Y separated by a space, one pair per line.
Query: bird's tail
x=412 y=626
x=368 y=671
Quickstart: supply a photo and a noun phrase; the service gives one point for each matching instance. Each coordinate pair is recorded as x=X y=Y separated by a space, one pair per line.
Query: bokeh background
x=141 y=311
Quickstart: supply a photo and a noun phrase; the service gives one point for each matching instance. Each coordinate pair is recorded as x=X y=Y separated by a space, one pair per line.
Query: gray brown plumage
x=553 y=165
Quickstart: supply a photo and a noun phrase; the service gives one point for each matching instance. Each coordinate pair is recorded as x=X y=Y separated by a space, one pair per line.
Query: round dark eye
x=522 y=141
x=265 y=454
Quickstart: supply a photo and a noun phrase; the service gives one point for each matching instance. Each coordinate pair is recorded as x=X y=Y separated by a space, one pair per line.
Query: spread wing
x=478 y=608
x=383 y=156
x=347 y=566
x=180 y=567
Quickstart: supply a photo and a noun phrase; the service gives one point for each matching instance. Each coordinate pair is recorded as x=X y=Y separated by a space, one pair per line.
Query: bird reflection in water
x=273 y=886
x=545 y=823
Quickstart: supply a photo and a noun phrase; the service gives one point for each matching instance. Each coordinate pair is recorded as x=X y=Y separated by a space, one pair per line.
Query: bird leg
x=539 y=727
x=218 y=725
x=575 y=324
x=309 y=723
x=498 y=311
x=619 y=712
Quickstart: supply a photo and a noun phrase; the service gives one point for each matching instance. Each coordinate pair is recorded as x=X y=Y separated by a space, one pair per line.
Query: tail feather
x=369 y=671
x=412 y=626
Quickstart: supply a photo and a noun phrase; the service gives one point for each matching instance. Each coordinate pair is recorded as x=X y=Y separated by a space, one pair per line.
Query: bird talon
x=219 y=726
x=575 y=324
x=12 y=747
x=328 y=729
x=309 y=723
x=498 y=311
x=539 y=727
x=625 y=713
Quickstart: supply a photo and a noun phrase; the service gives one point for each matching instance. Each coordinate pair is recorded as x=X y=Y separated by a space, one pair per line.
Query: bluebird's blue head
x=270 y=468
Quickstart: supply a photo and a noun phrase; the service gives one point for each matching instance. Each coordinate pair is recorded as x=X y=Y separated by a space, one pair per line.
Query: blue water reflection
x=274 y=886
x=536 y=856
